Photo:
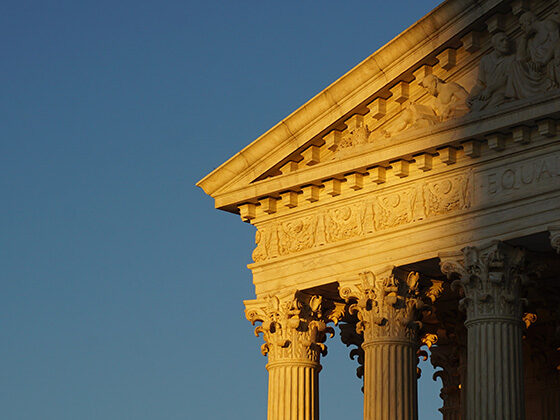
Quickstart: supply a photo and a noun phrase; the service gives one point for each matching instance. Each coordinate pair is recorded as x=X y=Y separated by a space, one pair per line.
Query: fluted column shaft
x=294 y=329
x=491 y=278
x=495 y=370
x=390 y=380
x=451 y=413
x=551 y=403
x=542 y=384
x=293 y=390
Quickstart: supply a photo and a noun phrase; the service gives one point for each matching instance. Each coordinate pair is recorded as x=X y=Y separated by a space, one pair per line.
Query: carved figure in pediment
x=537 y=66
x=357 y=136
x=450 y=97
x=493 y=73
x=413 y=116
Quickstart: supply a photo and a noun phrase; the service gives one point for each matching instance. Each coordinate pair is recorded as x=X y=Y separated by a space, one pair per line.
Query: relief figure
x=356 y=137
x=413 y=116
x=450 y=97
x=536 y=68
x=493 y=73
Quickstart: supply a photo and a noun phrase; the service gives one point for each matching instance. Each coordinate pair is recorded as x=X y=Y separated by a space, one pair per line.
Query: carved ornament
x=384 y=211
x=447 y=195
x=386 y=306
x=294 y=327
x=554 y=232
x=447 y=358
x=491 y=278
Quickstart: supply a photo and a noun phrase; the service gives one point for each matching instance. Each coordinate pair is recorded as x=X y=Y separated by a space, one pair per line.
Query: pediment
x=416 y=96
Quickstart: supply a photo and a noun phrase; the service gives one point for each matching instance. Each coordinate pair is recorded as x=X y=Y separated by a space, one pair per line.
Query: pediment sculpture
x=506 y=74
x=449 y=101
x=523 y=62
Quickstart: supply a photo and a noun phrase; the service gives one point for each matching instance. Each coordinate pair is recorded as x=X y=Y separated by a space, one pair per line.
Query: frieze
x=522 y=175
x=383 y=211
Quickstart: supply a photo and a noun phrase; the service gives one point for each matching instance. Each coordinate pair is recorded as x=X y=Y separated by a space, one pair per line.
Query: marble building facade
x=414 y=206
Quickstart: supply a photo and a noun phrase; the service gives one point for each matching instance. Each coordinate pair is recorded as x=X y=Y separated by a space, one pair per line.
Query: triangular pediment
x=414 y=95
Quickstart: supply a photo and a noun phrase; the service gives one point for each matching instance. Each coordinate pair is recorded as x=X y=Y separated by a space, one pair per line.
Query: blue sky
x=121 y=286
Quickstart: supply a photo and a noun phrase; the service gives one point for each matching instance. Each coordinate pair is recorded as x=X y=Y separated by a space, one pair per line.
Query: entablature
x=471 y=139
x=505 y=196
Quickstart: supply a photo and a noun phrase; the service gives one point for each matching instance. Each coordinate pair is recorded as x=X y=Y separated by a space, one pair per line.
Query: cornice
x=458 y=134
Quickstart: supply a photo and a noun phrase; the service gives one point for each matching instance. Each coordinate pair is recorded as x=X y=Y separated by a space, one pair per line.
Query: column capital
x=554 y=232
x=387 y=305
x=294 y=326
x=491 y=277
x=447 y=357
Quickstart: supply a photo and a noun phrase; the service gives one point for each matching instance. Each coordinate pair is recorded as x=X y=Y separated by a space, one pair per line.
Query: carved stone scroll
x=447 y=358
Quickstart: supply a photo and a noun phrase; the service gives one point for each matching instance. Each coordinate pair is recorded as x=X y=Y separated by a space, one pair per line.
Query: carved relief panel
x=374 y=213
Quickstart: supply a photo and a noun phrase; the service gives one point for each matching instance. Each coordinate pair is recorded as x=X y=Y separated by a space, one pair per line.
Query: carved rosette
x=294 y=327
x=386 y=306
x=491 y=278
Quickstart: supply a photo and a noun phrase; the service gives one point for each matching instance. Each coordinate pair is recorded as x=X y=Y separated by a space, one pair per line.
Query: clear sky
x=121 y=286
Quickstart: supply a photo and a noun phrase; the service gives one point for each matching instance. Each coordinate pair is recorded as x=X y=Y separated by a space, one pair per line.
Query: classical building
x=414 y=205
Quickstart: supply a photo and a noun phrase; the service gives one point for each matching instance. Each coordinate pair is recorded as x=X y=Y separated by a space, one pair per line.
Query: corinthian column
x=387 y=309
x=491 y=279
x=447 y=357
x=294 y=330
